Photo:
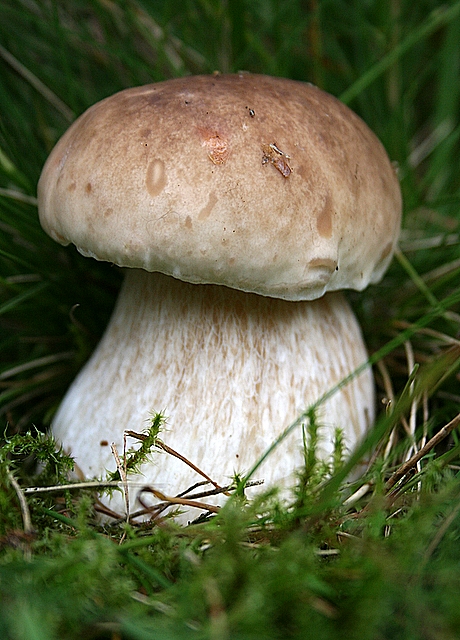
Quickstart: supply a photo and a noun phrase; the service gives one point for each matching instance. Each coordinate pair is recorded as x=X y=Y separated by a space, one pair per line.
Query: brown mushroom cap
x=262 y=184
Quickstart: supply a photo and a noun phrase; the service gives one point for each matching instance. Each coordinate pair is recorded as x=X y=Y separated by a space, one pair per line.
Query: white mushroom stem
x=229 y=370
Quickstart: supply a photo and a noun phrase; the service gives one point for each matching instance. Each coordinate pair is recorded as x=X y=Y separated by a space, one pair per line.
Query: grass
x=375 y=560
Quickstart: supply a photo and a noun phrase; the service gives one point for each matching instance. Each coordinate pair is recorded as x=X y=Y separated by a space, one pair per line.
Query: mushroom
x=239 y=206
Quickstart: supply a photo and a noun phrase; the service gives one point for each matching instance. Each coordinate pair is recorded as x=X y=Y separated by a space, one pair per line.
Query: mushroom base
x=229 y=371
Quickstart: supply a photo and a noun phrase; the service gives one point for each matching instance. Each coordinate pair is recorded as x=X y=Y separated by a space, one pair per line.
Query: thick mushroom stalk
x=229 y=369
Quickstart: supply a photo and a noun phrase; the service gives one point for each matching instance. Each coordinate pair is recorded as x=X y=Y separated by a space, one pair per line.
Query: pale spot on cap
x=206 y=211
x=155 y=178
x=324 y=218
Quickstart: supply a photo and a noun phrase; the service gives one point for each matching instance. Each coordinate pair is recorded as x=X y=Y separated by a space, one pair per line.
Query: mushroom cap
x=262 y=184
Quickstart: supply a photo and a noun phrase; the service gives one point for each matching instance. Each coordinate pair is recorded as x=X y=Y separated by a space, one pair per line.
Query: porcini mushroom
x=240 y=206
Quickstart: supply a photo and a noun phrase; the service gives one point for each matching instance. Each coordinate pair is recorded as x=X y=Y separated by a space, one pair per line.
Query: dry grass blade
x=17 y=195
x=37 y=84
x=172 y=452
x=23 y=503
x=171 y=500
x=33 y=364
x=408 y=466
x=122 y=471
x=96 y=484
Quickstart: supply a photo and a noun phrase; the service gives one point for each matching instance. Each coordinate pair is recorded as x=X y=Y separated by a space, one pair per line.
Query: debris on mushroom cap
x=277 y=158
x=297 y=199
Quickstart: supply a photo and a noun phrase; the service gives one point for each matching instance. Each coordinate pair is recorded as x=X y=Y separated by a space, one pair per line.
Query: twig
x=412 y=462
x=182 y=501
x=75 y=485
x=165 y=447
x=122 y=472
x=162 y=445
x=214 y=492
x=100 y=507
x=158 y=508
x=23 y=503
